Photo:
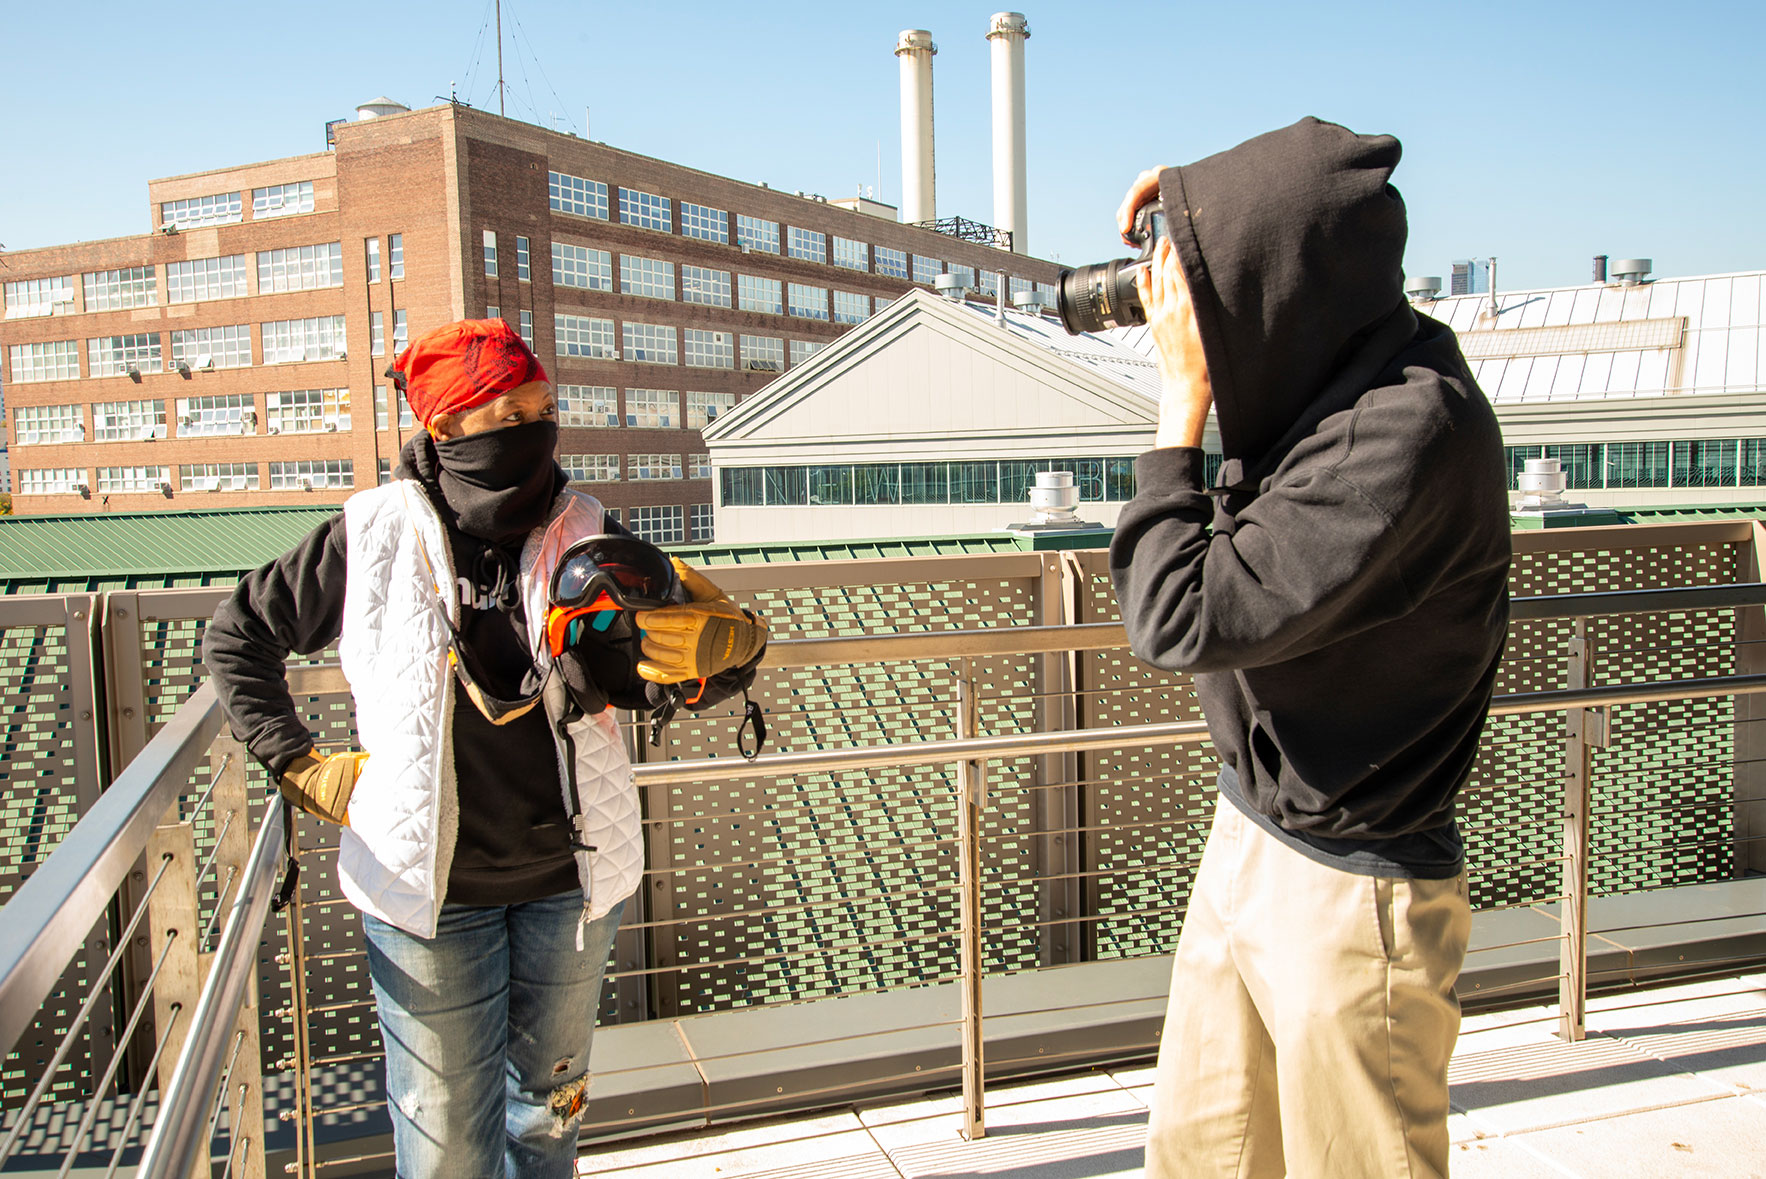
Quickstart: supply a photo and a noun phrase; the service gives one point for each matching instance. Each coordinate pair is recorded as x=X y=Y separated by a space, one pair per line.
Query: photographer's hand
x=1144 y=189
x=1183 y=369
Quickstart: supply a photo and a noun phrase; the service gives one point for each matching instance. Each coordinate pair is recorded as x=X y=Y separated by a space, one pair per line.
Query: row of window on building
x=281 y=341
x=226 y=208
x=292 y=341
x=598 y=338
x=197 y=280
x=989 y=481
x=1721 y=462
x=313 y=411
x=591 y=269
x=1710 y=462
x=582 y=197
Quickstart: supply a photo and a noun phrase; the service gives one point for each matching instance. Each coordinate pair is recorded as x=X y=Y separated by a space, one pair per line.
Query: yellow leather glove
x=321 y=786
x=708 y=635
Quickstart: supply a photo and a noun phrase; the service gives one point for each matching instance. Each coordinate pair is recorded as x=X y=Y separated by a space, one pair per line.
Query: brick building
x=234 y=355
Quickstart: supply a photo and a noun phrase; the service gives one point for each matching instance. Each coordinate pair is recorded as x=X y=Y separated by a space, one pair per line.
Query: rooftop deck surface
x=1670 y=1081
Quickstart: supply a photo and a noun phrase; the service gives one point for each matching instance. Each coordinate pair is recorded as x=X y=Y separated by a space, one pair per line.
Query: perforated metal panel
x=802 y=887
x=780 y=889
x=41 y=797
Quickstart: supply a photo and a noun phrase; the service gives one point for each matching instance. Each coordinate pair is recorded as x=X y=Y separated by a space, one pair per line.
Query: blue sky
x=1541 y=132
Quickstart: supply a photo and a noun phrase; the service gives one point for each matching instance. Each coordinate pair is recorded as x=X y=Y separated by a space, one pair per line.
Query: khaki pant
x=1311 y=1018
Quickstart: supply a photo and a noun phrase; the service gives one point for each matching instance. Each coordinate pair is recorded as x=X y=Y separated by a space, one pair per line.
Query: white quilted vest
x=393 y=858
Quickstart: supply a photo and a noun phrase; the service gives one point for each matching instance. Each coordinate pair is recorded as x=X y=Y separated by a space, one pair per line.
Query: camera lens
x=1093 y=298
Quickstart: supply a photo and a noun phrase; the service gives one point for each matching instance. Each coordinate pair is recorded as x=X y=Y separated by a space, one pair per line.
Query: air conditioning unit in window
x=306 y=483
x=186 y=422
x=84 y=490
x=209 y=483
x=331 y=427
x=165 y=489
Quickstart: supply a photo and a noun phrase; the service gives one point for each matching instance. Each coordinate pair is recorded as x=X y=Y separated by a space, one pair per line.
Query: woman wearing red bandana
x=490 y=827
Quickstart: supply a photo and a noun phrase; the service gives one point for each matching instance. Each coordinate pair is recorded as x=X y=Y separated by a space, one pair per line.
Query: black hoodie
x=1340 y=598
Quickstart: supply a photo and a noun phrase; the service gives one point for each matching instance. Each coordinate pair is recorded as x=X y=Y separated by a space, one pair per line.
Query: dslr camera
x=1102 y=295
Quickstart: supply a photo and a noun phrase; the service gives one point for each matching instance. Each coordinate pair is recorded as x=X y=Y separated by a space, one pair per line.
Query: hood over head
x=1292 y=244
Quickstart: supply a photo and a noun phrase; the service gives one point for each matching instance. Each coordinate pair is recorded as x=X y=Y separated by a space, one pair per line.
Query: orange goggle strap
x=559 y=618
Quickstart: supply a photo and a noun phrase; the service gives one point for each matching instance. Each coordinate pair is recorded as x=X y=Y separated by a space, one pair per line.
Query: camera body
x=1103 y=295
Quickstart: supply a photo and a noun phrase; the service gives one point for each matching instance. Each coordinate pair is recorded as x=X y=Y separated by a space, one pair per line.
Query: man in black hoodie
x=1340 y=601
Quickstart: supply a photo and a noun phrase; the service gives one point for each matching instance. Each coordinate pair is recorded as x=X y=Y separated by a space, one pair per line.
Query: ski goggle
x=600 y=576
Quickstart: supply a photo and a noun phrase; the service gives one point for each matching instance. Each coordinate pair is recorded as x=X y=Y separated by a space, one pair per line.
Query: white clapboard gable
x=934 y=378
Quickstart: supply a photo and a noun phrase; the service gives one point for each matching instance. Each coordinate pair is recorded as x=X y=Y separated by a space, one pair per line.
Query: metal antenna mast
x=500 y=109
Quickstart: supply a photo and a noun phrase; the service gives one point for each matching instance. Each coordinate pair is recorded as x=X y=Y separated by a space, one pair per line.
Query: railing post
x=971 y=801
x=1586 y=730
x=300 y=1064
x=1748 y=827
x=172 y=916
x=657 y=995
x=232 y=820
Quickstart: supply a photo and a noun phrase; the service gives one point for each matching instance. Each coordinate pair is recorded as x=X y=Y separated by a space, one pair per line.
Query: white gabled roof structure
x=1664 y=360
x=1667 y=337
x=932 y=379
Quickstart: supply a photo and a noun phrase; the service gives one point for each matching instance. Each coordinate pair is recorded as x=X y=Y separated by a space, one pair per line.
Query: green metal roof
x=142 y=549
x=150 y=550
x=845 y=550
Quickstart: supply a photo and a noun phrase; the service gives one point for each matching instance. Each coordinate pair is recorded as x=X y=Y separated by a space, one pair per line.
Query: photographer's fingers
x=1144 y=189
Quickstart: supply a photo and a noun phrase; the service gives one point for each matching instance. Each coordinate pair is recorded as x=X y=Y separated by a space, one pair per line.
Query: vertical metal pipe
x=915 y=49
x=1585 y=731
x=300 y=1031
x=971 y=799
x=1007 y=32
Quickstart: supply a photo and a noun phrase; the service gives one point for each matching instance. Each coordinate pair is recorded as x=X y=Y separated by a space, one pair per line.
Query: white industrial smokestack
x=1008 y=31
x=915 y=49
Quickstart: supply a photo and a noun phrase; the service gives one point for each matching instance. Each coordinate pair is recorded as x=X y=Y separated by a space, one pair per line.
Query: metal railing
x=1018 y=762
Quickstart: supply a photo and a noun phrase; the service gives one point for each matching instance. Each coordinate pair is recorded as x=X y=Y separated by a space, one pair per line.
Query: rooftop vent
x=1542 y=484
x=1054 y=499
x=1032 y=302
x=1600 y=268
x=1631 y=271
x=951 y=286
x=1423 y=288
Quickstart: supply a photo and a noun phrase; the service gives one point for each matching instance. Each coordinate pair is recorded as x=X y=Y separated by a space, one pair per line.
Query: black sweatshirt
x=1340 y=598
x=513 y=841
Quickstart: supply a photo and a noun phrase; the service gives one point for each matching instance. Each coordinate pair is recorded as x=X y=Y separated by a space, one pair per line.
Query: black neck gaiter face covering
x=500 y=483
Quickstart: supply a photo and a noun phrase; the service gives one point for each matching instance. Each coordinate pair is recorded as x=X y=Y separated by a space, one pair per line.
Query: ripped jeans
x=487 y=1029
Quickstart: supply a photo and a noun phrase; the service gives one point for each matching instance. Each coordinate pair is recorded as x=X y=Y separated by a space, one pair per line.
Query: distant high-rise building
x=235 y=355
x=1471 y=276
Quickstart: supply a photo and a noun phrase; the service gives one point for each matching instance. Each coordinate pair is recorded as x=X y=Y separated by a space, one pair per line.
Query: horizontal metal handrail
x=1601 y=602
x=178 y=1132
x=907 y=646
x=1170 y=733
x=45 y=923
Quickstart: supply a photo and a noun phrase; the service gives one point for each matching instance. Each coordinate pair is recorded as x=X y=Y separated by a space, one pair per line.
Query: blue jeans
x=487 y=1029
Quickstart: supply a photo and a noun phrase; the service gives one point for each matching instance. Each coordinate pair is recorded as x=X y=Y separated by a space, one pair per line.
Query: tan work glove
x=321 y=786
x=708 y=635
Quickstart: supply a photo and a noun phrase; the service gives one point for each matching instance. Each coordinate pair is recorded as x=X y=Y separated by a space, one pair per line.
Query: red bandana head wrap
x=463 y=365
